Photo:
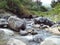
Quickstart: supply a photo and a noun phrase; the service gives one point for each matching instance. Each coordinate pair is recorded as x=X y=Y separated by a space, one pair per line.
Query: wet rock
x=16 y=23
x=29 y=24
x=13 y=41
x=43 y=26
x=55 y=30
x=38 y=38
x=54 y=40
x=31 y=31
x=29 y=38
x=23 y=33
x=43 y=20
x=36 y=26
x=5 y=35
x=3 y=23
x=39 y=26
x=55 y=25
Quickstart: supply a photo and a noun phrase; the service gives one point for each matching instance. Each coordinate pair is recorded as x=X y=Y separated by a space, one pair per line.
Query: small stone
x=33 y=32
x=36 y=26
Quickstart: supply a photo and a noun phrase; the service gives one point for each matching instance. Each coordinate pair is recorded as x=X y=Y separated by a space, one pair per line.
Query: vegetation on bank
x=23 y=7
x=53 y=14
x=14 y=6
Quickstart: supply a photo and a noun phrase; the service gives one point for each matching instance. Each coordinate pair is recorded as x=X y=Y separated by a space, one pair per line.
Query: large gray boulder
x=16 y=23
x=53 y=40
x=5 y=35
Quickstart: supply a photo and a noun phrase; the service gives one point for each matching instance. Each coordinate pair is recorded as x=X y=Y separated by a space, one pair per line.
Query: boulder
x=16 y=23
x=55 y=30
x=54 y=40
x=13 y=41
x=43 y=20
x=5 y=35
x=3 y=23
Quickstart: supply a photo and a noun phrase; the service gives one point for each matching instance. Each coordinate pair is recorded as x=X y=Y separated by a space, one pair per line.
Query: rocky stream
x=24 y=31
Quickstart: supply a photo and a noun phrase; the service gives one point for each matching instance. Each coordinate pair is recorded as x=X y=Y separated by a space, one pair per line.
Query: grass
x=53 y=14
x=15 y=3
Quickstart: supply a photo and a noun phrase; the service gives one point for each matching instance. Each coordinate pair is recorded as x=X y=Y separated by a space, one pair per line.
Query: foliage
x=2 y=4
x=53 y=14
x=14 y=6
x=53 y=3
x=23 y=7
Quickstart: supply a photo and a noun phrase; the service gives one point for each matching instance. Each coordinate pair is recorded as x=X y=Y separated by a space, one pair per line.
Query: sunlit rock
x=5 y=35
x=54 y=40
x=6 y=32
x=16 y=23
x=55 y=30
x=13 y=41
x=36 y=26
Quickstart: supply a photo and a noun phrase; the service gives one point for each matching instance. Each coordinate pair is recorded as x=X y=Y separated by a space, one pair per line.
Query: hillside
x=15 y=7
